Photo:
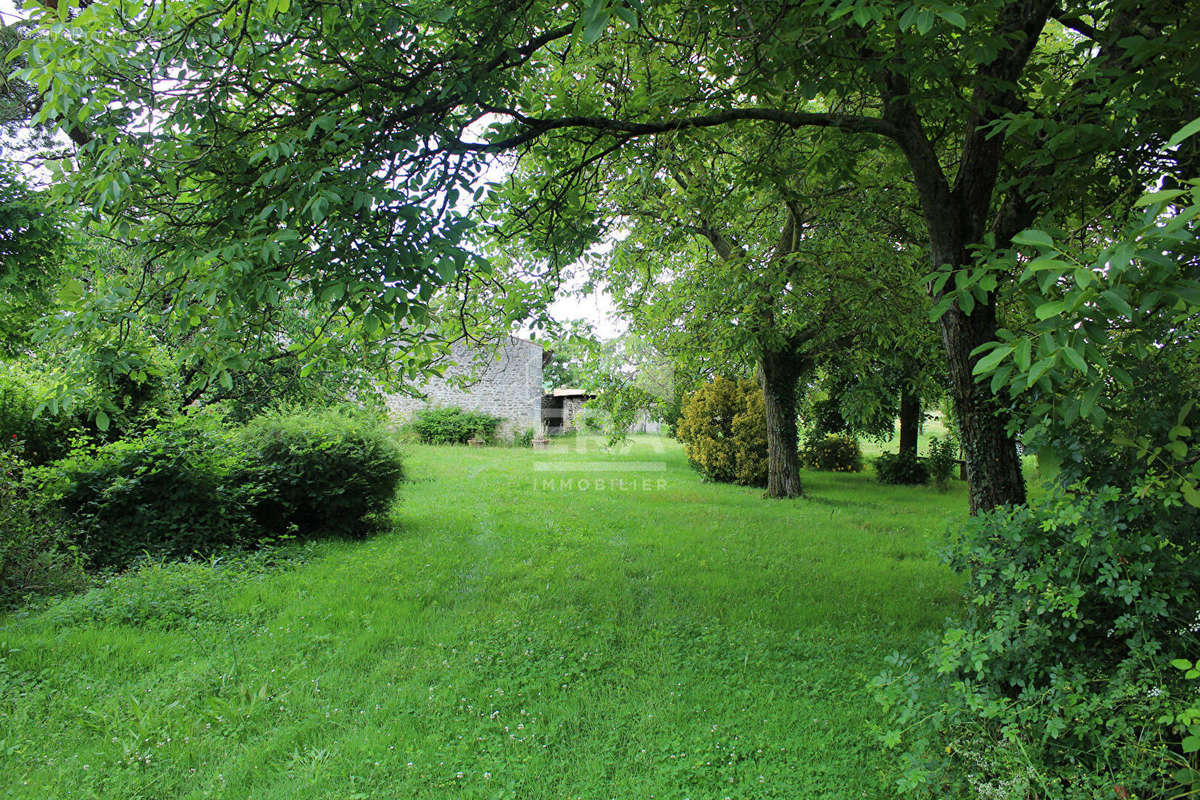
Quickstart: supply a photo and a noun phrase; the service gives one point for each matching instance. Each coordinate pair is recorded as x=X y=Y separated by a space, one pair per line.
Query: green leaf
x=1089 y=399
x=1049 y=461
x=1118 y=303
x=225 y=379
x=1075 y=360
x=992 y=360
x=333 y=293
x=1039 y=369
x=924 y=21
x=1023 y=354
x=628 y=15
x=1191 y=129
x=954 y=18
x=1183 y=412
x=1152 y=198
x=965 y=299
x=1191 y=744
x=1047 y=310
x=1191 y=493
x=71 y=292
x=1033 y=238
x=102 y=421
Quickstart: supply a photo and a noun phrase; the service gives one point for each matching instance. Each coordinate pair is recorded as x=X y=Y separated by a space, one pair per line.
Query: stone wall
x=504 y=380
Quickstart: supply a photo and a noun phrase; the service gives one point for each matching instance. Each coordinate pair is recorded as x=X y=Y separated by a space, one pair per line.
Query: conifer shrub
x=723 y=429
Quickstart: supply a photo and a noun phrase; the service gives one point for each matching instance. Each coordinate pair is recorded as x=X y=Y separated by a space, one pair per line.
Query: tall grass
x=539 y=624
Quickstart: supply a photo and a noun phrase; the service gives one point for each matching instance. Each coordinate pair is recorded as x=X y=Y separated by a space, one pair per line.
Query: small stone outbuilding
x=560 y=406
x=502 y=379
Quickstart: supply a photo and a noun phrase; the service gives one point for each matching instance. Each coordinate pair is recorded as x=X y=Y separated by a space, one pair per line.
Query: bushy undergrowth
x=167 y=493
x=453 y=425
x=723 y=429
x=943 y=460
x=320 y=471
x=1057 y=684
x=193 y=485
x=836 y=453
x=44 y=436
x=901 y=469
x=36 y=556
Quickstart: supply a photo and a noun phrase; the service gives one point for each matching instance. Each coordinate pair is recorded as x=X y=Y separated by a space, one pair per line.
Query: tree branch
x=536 y=127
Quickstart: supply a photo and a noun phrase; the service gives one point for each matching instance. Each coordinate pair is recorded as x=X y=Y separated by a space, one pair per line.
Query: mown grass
x=523 y=633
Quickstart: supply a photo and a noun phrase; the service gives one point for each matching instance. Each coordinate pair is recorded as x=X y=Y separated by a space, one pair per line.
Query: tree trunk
x=955 y=218
x=910 y=420
x=993 y=467
x=778 y=374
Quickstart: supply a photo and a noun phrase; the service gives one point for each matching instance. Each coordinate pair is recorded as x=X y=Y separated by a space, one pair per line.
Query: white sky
x=596 y=308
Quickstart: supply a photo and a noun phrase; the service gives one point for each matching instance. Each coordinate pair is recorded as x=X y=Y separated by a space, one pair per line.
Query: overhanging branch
x=536 y=127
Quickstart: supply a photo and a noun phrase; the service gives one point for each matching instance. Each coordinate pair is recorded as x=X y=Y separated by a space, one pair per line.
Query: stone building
x=560 y=406
x=503 y=379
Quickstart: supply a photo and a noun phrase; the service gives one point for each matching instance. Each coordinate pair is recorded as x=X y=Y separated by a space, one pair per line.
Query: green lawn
x=522 y=633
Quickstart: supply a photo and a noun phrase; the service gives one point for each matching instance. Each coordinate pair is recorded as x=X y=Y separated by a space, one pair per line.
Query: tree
x=318 y=146
x=736 y=251
x=1106 y=369
x=33 y=241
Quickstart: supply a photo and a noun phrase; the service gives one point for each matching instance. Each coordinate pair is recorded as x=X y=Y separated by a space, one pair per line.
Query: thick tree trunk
x=993 y=467
x=910 y=420
x=955 y=218
x=778 y=374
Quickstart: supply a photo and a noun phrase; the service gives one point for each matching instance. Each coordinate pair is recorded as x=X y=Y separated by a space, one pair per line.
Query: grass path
x=521 y=634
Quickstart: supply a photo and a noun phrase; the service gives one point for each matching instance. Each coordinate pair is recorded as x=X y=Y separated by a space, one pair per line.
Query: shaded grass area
x=567 y=623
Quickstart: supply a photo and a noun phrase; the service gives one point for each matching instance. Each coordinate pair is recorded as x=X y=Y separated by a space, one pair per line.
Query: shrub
x=523 y=438
x=723 y=428
x=319 y=472
x=750 y=437
x=193 y=485
x=167 y=493
x=453 y=425
x=901 y=469
x=35 y=546
x=837 y=453
x=1076 y=602
x=44 y=436
x=943 y=458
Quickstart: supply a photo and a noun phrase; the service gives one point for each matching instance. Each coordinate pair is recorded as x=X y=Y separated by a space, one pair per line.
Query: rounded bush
x=838 y=453
x=453 y=425
x=320 y=472
x=724 y=430
x=167 y=493
x=903 y=469
x=194 y=485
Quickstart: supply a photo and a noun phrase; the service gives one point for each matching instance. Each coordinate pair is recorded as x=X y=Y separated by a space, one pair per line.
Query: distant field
x=540 y=624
